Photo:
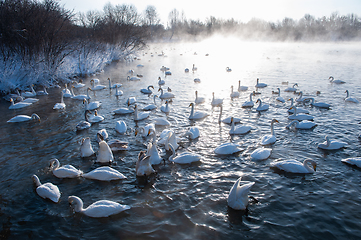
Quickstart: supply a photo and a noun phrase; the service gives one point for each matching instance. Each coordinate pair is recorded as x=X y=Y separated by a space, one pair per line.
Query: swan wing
x=104 y=174
x=292 y=166
x=353 y=161
x=238 y=195
x=67 y=171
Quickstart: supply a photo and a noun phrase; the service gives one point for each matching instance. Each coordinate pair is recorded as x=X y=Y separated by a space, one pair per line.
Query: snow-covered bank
x=17 y=74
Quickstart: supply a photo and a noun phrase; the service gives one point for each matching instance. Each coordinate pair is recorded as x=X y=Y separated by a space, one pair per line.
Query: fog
x=45 y=44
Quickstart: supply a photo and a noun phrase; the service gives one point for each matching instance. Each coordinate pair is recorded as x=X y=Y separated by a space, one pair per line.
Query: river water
x=190 y=201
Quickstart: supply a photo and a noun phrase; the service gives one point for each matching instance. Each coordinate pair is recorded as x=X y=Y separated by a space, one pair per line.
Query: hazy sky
x=243 y=10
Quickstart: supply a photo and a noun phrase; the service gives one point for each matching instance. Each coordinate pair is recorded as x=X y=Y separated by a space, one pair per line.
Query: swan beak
x=314 y=168
x=190 y=105
x=136 y=132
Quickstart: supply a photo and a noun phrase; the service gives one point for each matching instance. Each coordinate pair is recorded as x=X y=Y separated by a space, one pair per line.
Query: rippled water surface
x=190 y=201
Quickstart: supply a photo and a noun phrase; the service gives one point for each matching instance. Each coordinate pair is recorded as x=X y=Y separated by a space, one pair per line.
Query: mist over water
x=190 y=201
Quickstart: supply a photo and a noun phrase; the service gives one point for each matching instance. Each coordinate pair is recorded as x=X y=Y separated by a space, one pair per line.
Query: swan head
x=35 y=116
x=191 y=105
x=54 y=163
x=275 y=121
x=331 y=78
x=313 y=163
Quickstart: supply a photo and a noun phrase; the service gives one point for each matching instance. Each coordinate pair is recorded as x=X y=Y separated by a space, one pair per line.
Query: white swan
x=151 y=107
x=234 y=94
x=118 y=92
x=91 y=106
x=199 y=100
x=170 y=139
x=102 y=208
x=18 y=105
x=300 y=98
x=115 y=85
x=28 y=100
x=165 y=95
x=161 y=122
x=67 y=92
x=102 y=134
x=96 y=87
x=133 y=78
x=86 y=149
x=294 y=166
x=138 y=116
x=153 y=152
x=143 y=166
x=261 y=154
x=85 y=124
x=250 y=103
x=216 y=101
x=46 y=190
x=350 y=99
x=196 y=115
x=122 y=111
x=60 y=105
x=96 y=118
x=301 y=125
x=228 y=119
x=192 y=133
x=160 y=81
x=353 y=161
x=79 y=84
x=121 y=127
x=241 y=88
x=147 y=90
x=29 y=94
x=81 y=96
x=260 y=85
x=318 y=104
x=299 y=110
x=104 y=173
x=238 y=195
x=228 y=69
x=24 y=118
x=165 y=108
x=145 y=131
x=65 y=171
x=292 y=89
x=227 y=149
x=299 y=117
x=105 y=154
x=279 y=98
x=261 y=107
x=331 y=144
x=270 y=138
x=238 y=129
x=335 y=81
x=184 y=158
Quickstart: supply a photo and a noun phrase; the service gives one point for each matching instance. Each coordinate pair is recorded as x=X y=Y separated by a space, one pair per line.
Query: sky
x=240 y=10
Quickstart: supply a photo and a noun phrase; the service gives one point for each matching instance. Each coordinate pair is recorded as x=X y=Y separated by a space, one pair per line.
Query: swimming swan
x=216 y=101
x=248 y=104
x=165 y=95
x=299 y=110
x=115 y=85
x=184 y=158
x=105 y=154
x=301 y=125
x=166 y=108
x=238 y=195
x=196 y=115
x=261 y=154
x=60 y=105
x=104 y=174
x=292 y=89
x=350 y=99
x=143 y=166
x=46 y=190
x=269 y=138
x=279 y=98
x=65 y=171
x=294 y=166
x=91 y=106
x=227 y=149
x=199 y=100
x=335 y=81
x=331 y=144
x=353 y=161
x=138 y=116
x=102 y=208
x=260 y=85
x=96 y=118
x=97 y=87
x=85 y=124
x=228 y=119
x=24 y=118
x=238 y=129
x=151 y=106
x=147 y=90
x=261 y=107
x=299 y=117
x=192 y=133
x=153 y=152
x=234 y=94
x=18 y=105
x=121 y=127
x=318 y=104
x=241 y=88
x=86 y=149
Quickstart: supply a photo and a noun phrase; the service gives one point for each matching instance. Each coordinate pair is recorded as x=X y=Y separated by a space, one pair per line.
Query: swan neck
x=78 y=204
x=328 y=141
x=272 y=129
x=192 y=111
x=220 y=114
x=306 y=165
x=250 y=97
x=347 y=94
x=56 y=163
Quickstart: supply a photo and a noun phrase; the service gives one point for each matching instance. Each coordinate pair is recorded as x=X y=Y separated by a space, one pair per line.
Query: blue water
x=190 y=201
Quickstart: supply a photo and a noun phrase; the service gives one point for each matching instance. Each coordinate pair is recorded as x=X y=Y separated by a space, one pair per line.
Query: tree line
x=43 y=33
